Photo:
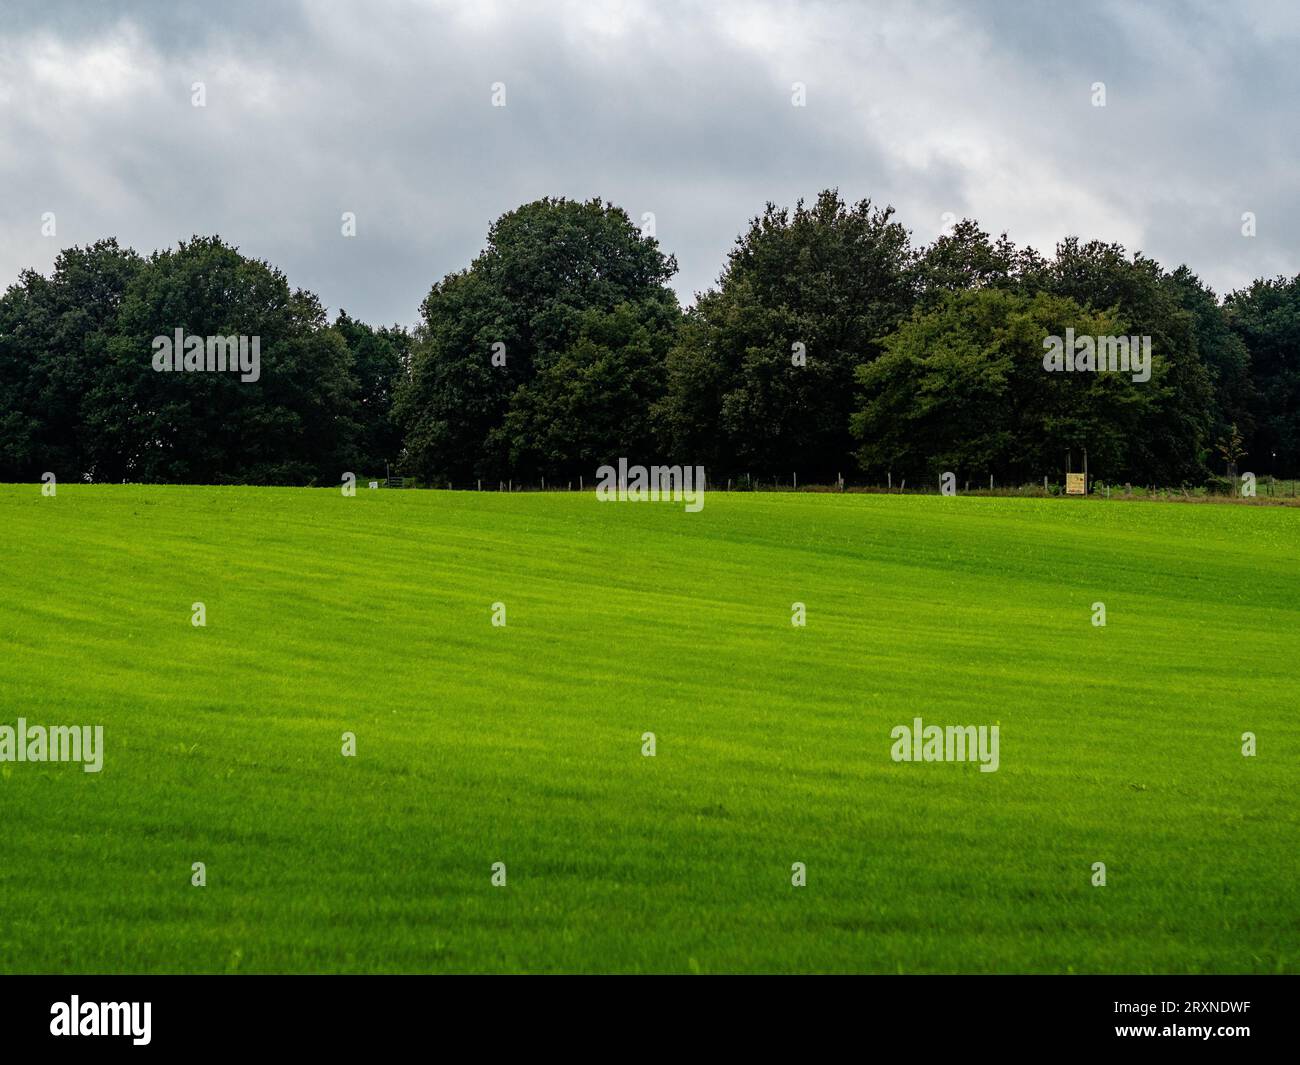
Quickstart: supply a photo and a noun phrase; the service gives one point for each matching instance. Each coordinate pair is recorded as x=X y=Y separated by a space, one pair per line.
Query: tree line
x=830 y=345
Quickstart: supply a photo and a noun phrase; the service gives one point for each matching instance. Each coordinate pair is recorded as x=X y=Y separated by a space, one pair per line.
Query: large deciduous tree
x=1176 y=444
x=762 y=379
x=591 y=405
x=379 y=357
x=526 y=300
x=295 y=424
x=1266 y=316
x=963 y=388
x=54 y=350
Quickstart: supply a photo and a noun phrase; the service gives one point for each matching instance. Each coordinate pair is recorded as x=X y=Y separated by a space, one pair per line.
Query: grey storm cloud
x=384 y=109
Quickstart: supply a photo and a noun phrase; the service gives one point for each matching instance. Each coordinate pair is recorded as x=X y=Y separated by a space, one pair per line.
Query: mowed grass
x=523 y=744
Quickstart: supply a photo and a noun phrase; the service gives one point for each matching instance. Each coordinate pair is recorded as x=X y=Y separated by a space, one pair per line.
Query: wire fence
x=1265 y=490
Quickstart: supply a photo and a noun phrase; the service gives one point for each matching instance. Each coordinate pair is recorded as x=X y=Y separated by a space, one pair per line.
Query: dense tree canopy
x=965 y=258
x=290 y=425
x=380 y=360
x=1266 y=317
x=591 y=404
x=962 y=388
x=83 y=399
x=1174 y=444
x=54 y=337
x=762 y=378
x=829 y=345
x=490 y=338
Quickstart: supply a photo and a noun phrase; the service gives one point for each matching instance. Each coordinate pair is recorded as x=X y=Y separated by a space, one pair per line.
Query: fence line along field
x=522 y=743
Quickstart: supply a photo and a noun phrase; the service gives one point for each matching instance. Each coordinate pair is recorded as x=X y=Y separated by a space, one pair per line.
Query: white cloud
x=681 y=109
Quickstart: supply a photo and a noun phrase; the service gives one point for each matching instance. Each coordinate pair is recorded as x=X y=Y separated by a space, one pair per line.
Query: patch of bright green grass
x=523 y=744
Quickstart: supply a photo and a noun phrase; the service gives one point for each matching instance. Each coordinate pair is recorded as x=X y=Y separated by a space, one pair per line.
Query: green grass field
x=522 y=744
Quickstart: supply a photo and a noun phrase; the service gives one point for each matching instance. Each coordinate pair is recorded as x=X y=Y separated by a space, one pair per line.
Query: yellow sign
x=1075 y=484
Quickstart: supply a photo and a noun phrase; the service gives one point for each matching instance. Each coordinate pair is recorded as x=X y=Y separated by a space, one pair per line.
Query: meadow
x=522 y=744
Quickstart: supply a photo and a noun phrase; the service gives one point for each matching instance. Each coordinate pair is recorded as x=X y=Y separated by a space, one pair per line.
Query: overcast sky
x=684 y=110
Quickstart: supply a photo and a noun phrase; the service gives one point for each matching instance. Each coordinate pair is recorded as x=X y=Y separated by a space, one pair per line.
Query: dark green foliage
x=1174 y=444
x=1266 y=316
x=530 y=298
x=832 y=278
x=967 y=259
x=592 y=403
x=294 y=425
x=380 y=359
x=830 y=345
x=962 y=388
x=54 y=340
